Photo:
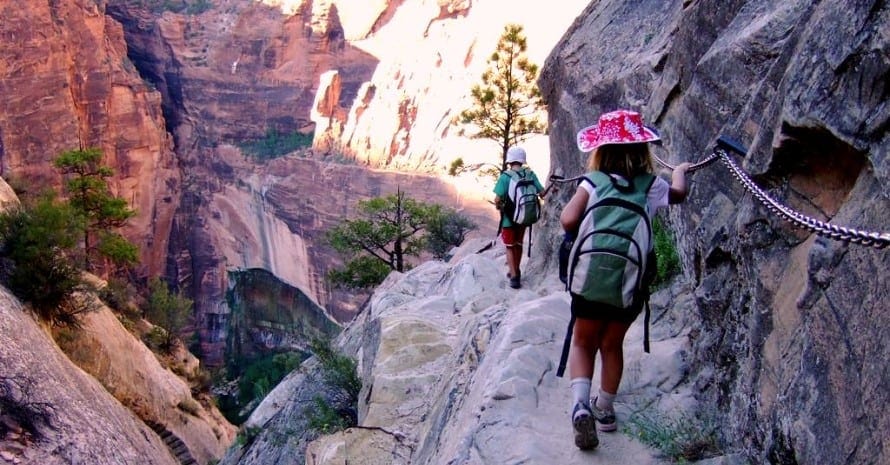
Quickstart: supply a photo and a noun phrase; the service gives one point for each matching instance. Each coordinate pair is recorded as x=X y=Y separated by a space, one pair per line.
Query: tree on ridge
x=507 y=104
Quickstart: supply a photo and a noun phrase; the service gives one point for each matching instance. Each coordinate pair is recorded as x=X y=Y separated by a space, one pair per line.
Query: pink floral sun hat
x=616 y=127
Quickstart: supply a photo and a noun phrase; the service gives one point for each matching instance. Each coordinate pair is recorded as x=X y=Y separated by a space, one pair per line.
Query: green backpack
x=525 y=206
x=610 y=258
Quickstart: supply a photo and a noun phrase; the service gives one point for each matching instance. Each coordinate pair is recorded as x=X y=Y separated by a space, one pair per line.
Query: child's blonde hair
x=628 y=160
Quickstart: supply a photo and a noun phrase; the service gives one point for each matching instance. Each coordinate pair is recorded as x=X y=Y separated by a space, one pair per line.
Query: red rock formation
x=66 y=83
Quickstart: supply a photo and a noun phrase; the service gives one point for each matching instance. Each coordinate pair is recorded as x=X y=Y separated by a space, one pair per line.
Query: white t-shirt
x=657 y=198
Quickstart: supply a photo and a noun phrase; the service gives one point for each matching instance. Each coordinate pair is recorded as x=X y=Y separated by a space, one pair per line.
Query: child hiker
x=621 y=166
x=512 y=233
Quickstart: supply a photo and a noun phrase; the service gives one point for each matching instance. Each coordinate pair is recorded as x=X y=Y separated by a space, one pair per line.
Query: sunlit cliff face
x=288 y=7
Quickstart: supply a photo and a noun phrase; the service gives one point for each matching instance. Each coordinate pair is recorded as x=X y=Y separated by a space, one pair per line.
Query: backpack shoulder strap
x=644 y=182
x=597 y=178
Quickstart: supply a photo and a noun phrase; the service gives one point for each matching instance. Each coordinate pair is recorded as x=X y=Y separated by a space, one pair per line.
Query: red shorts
x=513 y=235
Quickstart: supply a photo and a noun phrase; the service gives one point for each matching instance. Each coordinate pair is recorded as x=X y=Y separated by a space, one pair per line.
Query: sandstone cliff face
x=273 y=217
x=132 y=374
x=82 y=422
x=240 y=68
x=431 y=54
x=790 y=340
x=66 y=83
x=228 y=75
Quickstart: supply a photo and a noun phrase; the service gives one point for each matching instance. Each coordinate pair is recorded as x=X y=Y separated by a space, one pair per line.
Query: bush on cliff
x=168 y=310
x=668 y=263
x=337 y=410
x=38 y=247
x=388 y=231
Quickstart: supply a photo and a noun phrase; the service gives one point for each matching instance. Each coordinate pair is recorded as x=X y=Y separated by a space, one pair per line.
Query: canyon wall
x=66 y=83
x=238 y=70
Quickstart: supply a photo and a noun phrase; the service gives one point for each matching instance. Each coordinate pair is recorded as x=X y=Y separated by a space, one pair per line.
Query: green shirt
x=503 y=184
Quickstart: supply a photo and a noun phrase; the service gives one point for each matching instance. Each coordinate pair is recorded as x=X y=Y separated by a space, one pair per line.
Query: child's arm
x=678 y=190
x=571 y=214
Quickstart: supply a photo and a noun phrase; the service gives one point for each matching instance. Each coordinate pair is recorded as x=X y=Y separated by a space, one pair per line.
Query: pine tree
x=507 y=104
x=103 y=212
x=389 y=230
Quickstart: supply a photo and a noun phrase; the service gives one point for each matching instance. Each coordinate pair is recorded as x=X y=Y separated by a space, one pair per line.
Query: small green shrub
x=323 y=418
x=38 y=244
x=264 y=374
x=168 y=310
x=447 y=230
x=247 y=435
x=666 y=253
x=189 y=406
x=359 y=273
x=276 y=144
x=339 y=373
x=120 y=295
x=191 y=7
x=338 y=370
x=155 y=339
x=683 y=439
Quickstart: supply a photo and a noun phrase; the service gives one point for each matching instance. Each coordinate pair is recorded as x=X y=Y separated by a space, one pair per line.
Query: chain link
x=797 y=219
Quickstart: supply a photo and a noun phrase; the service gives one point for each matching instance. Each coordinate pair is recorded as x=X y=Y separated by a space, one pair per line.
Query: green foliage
x=456 y=167
x=192 y=7
x=447 y=230
x=338 y=370
x=325 y=419
x=89 y=194
x=39 y=248
x=666 y=253
x=685 y=439
x=120 y=295
x=247 y=435
x=156 y=339
x=188 y=405
x=340 y=375
x=507 y=103
x=256 y=378
x=276 y=144
x=167 y=310
x=389 y=230
x=117 y=248
x=361 y=272
x=264 y=374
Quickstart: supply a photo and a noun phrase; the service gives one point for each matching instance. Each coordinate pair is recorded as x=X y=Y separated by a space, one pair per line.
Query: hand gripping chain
x=797 y=219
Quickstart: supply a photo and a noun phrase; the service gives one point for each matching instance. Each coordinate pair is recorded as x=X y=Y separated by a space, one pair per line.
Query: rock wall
x=239 y=69
x=83 y=423
x=789 y=344
x=66 y=83
x=130 y=372
x=273 y=217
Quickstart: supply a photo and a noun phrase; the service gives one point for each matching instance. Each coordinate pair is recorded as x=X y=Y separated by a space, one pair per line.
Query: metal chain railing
x=797 y=219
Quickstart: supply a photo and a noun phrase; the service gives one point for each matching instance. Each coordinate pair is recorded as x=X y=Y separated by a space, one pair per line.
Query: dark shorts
x=512 y=236
x=588 y=310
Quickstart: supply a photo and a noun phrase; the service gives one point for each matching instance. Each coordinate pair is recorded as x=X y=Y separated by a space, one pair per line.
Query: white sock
x=580 y=391
x=605 y=400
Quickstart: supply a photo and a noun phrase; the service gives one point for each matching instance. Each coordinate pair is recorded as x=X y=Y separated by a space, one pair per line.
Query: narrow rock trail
x=541 y=429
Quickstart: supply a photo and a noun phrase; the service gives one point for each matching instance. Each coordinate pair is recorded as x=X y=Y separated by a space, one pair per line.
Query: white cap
x=515 y=154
